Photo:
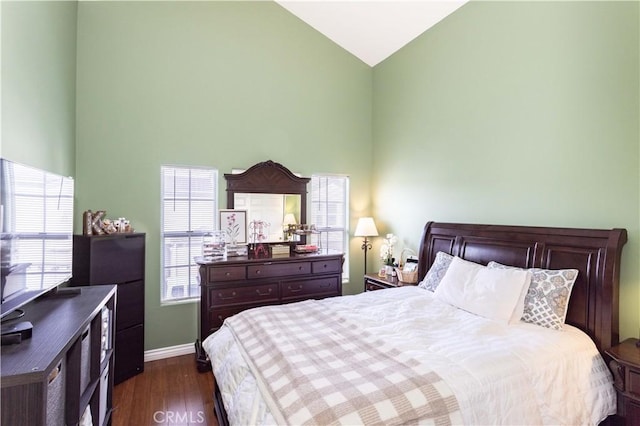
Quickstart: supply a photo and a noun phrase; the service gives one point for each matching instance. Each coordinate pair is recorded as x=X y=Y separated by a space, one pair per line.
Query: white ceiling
x=372 y=30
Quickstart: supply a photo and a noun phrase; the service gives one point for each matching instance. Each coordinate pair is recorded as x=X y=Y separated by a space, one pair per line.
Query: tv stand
x=65 y=292
x=64 y=373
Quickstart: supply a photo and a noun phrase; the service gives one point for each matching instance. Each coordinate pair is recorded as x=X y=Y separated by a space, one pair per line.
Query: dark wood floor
x=169 y=392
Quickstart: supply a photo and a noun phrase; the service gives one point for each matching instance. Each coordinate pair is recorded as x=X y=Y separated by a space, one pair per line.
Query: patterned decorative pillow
x=436 y=272
x=547 y=300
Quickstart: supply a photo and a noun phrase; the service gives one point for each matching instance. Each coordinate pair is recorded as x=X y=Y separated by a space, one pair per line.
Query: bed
x=404 y=355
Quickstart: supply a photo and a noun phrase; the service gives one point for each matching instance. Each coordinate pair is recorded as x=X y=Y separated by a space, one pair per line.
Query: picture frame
x=234 y=225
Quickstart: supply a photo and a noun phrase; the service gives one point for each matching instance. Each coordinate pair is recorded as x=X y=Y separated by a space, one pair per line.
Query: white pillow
x=518 y=311
x=483 y=291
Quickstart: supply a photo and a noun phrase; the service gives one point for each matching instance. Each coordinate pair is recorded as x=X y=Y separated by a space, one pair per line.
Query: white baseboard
x=168 y=352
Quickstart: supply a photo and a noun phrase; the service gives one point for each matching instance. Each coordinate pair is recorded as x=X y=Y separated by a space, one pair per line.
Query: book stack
x=237 y=250
x=279 y=250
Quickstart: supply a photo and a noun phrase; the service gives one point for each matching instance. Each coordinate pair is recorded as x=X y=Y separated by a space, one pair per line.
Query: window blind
x=189 y=206
x=329 y=212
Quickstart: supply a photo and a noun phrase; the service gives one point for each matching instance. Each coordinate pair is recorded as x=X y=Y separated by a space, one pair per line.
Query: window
x=189 y=206
x=330 y=213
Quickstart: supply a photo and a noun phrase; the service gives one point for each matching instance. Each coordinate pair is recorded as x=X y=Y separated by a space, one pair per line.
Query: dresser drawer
x=631 y=412
x=321 y=266
x=269 y=270
x=301 y=289
x=372 y=286
x=226 y=273
x=218 y=315
x=634 y=382
x=234 y=295
x=130 y=310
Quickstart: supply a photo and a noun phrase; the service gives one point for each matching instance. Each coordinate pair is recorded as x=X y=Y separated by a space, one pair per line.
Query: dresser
x=117 y=259
x=238 y=283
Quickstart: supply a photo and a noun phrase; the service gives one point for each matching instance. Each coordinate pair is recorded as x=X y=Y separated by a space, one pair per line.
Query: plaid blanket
x=315 y=367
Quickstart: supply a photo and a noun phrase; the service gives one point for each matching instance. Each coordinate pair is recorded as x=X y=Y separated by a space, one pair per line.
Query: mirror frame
x=268 y=177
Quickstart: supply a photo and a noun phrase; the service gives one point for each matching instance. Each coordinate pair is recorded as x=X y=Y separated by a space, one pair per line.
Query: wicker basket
x=407 y=277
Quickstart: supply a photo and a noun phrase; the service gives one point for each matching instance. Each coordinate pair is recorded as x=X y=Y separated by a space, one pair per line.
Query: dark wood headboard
x=593 y=306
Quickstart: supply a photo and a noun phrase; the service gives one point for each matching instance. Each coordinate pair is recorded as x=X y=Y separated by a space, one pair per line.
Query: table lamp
x=366 y=227
x=288 y=225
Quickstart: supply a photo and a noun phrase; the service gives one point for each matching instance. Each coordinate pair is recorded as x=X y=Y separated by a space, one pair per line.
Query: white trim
x=169 y=352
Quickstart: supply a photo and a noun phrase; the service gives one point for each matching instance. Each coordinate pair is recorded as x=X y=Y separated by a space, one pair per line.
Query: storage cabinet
x=64 y=371
x=238 y=283
x=625 y=366
x=117 y=259
x=374 y=282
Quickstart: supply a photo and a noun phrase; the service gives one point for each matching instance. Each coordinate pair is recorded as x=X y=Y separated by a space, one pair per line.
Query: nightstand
x=625 y=365
x=375 y=282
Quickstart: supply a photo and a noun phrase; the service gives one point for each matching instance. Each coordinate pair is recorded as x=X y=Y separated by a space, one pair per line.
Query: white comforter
x=500 y=374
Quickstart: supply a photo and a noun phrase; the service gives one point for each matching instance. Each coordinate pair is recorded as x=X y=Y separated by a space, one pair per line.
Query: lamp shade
x=366 y=228
x=289 y=219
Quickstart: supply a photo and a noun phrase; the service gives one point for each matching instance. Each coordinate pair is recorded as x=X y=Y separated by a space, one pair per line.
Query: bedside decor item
x=408 y=273
x=234 y=224
x=289 y=226
x=305 y=248
x=407 y=270
x=213 y=245
x=237 y=250
x=386 y=253
x=366 y=228
x=280 y=250
x=260 y=251
x=258 y=231
x=94 y=223
x=386 y=250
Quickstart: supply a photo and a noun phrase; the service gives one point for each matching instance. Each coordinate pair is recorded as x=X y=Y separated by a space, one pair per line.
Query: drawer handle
x=227 y=274
x=258 y=271
x=268 y=292
x=293 y=290
x=223 y=297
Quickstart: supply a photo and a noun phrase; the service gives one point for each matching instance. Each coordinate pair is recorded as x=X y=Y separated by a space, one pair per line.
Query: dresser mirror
x=270 y=208
x=270 y=193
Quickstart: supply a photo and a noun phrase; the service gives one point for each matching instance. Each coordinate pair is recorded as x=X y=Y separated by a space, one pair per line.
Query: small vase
x=388 y=271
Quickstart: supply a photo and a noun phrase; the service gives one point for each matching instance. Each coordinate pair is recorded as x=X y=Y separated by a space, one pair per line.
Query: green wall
x=38 y=84
x=222 y=84
x=520 y=113
x=515 y=113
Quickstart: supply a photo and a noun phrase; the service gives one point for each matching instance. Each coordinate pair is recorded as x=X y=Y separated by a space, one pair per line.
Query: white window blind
x=189 y=206
x=330 y=213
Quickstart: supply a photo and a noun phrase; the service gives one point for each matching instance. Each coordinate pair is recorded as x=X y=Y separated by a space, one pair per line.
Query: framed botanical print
x=234 y=225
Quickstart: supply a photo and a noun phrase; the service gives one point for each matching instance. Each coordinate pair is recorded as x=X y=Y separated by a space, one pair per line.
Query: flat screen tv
x=36 y=242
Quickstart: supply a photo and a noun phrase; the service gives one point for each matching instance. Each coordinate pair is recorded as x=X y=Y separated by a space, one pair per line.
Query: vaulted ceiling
x=372 y=30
